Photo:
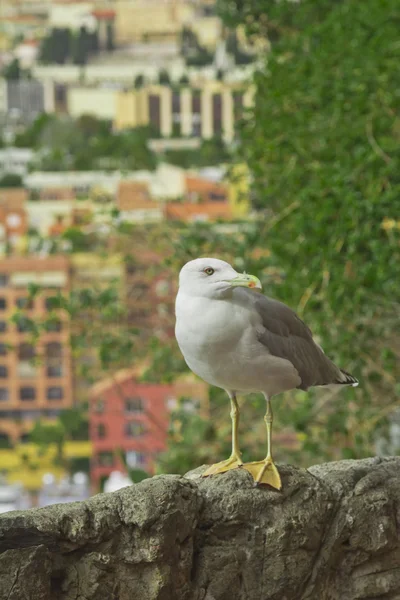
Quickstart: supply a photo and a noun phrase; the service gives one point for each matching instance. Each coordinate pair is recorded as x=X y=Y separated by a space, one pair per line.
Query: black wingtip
x=346 y=379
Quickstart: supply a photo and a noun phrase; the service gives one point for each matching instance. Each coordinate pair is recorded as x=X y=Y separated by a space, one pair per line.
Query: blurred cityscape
x=138 y=134
x=117 y=121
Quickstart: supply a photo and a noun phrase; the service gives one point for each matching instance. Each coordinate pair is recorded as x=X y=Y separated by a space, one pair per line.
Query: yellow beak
x=244 y=280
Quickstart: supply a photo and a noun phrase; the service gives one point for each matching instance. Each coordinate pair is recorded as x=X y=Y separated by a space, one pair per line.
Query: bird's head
x=213 y=277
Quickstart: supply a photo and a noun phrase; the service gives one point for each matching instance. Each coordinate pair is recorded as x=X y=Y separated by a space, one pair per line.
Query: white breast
x=218 y=340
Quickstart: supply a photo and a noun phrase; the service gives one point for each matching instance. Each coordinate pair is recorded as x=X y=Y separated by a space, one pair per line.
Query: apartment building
x=15 y=160
x=35 y=377
x=151 y=20
x=131 y=419
x=136 y=204
x=205 y=109
x=25 y=99
x=212 y=108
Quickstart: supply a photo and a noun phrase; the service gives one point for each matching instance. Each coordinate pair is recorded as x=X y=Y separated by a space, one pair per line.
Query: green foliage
x=139 y=82
x=75 y=423
x=164 y=78
x=192 y=441
x=31 y=137
x=61 y=45
x=137 y=475
x=184 y=80
x=80 y=241
x=87 y=143
x=46 y=434
x=12 y=71
x=11 y=180
x=322 y=144
x=79 y=464
x=194 y=53
x=211 y=152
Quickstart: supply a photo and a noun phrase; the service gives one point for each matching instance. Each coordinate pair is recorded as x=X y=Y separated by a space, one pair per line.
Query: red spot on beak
x=252 y=284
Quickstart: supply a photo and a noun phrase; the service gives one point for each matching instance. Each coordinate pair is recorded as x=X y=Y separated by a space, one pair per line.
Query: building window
x=176 y=114
x=196 y=113
x=55 y=393
x=217 y=197
x=26 y=367
x=155 y=111
x=105 y=459
x=217 y=113
x=134 y=405
x=53 y=326
x=135 y=459
x=101 y=432
x=99 y=406
x=3 y=280
x=27 y=393
x=134 y=429
x=54 y=359
x=3 y=326
x=51 y=303
x=24 y=302
x=54 y=371
x=4 y=394
x=3 y=304
x=237 y=105
x=3 y=372
x=5 y=441
x=3 y=349
x=24 y=325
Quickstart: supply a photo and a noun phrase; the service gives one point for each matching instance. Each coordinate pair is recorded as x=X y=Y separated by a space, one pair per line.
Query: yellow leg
x=264 y=472
x=234 y=460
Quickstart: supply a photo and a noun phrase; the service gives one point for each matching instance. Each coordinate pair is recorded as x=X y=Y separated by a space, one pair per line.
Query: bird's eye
x=209 y=271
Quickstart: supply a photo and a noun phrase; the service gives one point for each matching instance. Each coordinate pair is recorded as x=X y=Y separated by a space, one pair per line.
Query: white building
x=126 y=72
x=15 y=160
x=166 y=182
x=80 y=181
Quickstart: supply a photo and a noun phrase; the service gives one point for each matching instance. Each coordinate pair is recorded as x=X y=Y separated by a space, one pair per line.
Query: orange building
x=205 y=211
x=136 y=204
x=132 y=195
x=199 y=189
x=58 y=193
x=35 y=378
x=204 y=200
x=150 y=293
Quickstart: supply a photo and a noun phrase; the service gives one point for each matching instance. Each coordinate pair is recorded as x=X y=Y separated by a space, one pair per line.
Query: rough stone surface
x=332 y=534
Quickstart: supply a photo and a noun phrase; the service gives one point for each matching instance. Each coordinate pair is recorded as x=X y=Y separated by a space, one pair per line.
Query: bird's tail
x=345 y=378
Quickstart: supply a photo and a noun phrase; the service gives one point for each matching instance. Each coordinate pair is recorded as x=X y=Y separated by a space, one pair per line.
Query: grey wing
x=286 y=336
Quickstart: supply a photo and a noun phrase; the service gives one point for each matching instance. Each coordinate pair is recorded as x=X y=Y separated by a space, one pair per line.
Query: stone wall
x=332 y=534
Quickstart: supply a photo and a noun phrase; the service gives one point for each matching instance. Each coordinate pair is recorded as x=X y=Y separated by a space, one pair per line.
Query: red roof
x=103 y=14
x=207 y=211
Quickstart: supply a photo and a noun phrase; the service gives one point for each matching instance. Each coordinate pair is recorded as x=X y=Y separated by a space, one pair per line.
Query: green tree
x=47 y=434
x=11 y=180
x=31 y=137
x=81 y=47
x=139 y=82
x=322 y=144
x=184 y=80
x=12 y=71
x=164 y=78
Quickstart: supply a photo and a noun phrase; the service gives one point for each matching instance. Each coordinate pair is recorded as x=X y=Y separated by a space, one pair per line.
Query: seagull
x=237 y=339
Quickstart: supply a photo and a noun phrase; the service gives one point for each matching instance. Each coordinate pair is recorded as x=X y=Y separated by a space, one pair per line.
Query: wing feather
x=287 y=336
